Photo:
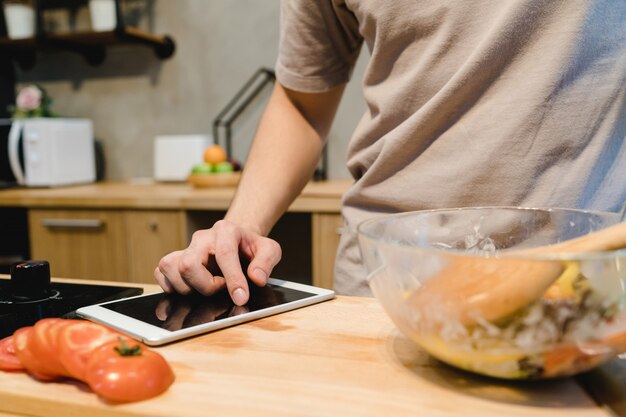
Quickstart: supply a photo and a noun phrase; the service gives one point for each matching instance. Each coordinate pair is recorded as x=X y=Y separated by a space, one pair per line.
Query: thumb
x=267 y=254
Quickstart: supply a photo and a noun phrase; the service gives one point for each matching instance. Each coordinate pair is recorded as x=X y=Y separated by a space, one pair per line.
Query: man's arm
x=283 y=157
x=284 y=154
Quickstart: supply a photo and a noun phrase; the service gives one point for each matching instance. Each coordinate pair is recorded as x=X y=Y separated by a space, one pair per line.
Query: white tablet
x=160 y=318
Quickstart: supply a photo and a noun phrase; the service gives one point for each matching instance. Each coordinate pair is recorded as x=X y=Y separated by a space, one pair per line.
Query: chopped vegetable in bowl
x=574 y=323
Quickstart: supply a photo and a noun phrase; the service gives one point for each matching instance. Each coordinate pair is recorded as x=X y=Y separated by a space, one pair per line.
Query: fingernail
x=239 y=297
x=260 y=274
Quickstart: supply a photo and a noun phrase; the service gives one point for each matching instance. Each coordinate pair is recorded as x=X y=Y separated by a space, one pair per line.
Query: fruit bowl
x=480 y=288
x=227 y=179
x=216 y=170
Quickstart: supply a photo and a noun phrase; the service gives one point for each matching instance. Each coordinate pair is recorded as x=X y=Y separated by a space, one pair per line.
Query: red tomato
x=77 y=340
x=44 y=345
x=23 y=339
x=8 y=359
x=125 y=371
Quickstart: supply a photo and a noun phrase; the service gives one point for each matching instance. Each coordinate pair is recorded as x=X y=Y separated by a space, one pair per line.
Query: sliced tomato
x=45 y=346
x=77 y=340
x=8 y=359
x=126 y=370
x=23 y=339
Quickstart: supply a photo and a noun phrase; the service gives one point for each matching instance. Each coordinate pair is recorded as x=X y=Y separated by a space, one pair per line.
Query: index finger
x=194 y=261
x=227 y=258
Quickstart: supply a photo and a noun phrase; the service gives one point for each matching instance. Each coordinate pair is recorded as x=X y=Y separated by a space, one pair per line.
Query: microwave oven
x=47 y=152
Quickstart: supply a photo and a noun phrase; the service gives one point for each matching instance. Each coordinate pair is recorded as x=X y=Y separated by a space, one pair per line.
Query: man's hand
x=285 y=151
x=212 y=261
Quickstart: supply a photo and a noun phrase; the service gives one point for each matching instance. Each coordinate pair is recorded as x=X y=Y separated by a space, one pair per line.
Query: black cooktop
x=61 y=301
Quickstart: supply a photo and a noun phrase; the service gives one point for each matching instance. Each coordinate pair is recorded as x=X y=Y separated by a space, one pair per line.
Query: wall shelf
x=91 y=45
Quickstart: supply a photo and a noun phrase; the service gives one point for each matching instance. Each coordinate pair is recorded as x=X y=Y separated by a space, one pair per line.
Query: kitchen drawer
x=88 y=244
x=114 y=245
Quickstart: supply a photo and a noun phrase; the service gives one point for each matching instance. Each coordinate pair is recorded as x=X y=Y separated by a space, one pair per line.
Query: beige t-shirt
x=469 y=103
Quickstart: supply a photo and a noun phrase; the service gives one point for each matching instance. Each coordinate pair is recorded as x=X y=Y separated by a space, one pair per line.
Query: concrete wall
x=134 y=97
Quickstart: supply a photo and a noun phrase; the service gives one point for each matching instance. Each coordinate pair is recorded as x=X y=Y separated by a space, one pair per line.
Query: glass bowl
x=480 y=289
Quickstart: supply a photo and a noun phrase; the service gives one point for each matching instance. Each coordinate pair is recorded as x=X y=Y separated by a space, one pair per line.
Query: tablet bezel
x=156 y=336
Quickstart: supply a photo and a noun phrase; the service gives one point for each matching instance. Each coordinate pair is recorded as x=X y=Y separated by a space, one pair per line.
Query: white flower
x=29 y=98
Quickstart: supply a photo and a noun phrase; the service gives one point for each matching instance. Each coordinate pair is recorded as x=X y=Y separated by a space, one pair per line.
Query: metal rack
x=241 y=100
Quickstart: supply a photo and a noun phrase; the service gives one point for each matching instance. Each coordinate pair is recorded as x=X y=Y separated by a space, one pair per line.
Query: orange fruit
x=214 y=154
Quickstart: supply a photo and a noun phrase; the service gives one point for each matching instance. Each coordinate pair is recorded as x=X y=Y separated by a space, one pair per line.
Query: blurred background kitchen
x=133 y=96
x=134 y=92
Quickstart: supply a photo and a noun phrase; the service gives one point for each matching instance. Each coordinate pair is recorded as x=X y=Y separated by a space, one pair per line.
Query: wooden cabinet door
x=89 y=244
x=326 y=233
x=151 y=234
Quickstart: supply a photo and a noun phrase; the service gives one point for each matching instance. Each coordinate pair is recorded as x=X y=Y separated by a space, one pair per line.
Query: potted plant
x=32 y=101
x=19 y=16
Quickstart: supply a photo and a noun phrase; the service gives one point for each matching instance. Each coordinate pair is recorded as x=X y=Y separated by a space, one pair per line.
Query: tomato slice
x=126 y=370
x=45 y=346
x=23 y=339
x=8 y=359
x=77 y=340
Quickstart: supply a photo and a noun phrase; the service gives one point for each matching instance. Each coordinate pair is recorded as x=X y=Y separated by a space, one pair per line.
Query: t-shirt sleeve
x=319 y=44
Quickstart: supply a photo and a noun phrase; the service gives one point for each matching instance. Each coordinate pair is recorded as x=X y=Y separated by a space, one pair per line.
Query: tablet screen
x=174 y=312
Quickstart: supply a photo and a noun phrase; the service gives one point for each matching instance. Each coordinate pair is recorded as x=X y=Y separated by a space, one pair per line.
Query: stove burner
x=24 y=303
x=25 y=300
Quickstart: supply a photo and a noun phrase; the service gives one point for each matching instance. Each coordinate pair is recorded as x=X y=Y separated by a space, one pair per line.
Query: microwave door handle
x=14 y=157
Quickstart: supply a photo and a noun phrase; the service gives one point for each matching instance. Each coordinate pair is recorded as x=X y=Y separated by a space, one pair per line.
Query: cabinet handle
x=73 y=223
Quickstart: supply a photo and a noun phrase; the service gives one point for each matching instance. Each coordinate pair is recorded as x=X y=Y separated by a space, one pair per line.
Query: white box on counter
x=175 y=155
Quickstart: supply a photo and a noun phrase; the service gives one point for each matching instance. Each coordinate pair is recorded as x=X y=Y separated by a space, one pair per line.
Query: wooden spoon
x=474 y=289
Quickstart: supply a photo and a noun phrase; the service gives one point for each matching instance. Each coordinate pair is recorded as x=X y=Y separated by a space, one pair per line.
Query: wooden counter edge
x=317 y=196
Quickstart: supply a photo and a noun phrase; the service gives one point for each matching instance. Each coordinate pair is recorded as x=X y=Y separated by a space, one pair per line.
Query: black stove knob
x=30 y=280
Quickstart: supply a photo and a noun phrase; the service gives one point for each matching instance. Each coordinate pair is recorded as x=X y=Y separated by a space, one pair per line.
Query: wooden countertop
x=339 y=358
x=323 y=196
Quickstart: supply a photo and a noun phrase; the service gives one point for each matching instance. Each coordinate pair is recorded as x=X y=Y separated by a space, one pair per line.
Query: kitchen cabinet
x=150 y=235
x=118 y=231
x=326 y=228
